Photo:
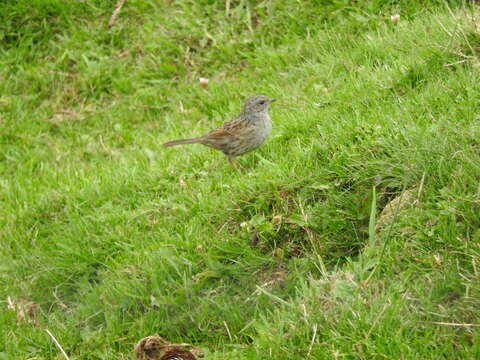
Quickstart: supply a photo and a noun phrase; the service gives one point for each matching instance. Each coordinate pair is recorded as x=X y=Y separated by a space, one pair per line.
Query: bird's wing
x=233 y=125
x=229 y=129
x=219 y=133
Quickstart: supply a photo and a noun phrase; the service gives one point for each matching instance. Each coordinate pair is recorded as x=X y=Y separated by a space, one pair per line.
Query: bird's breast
x=260 y=131
x=264 y=127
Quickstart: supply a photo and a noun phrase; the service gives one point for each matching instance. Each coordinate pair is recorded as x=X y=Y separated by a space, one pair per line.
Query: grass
x=108 y=237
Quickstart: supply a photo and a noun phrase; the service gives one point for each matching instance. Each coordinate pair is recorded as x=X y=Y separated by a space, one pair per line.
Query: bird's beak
x=272 y=100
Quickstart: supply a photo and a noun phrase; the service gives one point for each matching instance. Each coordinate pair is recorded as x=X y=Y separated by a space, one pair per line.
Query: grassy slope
x=116 y=238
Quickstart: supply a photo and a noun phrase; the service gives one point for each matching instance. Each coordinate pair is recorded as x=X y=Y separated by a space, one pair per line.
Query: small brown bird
x=157 y=348
x=240 y=135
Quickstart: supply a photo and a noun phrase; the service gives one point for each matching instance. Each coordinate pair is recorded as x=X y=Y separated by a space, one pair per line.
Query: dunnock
x=157 y=348
x=240 y=135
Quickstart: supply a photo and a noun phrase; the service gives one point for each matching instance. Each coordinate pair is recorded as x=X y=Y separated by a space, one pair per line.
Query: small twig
x=450 y=324
x=315 y=328
x=115 y=13
x=228 y=331
x=305 y=314
x=58 y=344
x=455 y=63
x=227 y=7
x=420 y=188
x=60 y=303
x=104 y=147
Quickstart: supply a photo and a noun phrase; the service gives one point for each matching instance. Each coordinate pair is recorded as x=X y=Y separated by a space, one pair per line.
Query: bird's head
x=257 y=104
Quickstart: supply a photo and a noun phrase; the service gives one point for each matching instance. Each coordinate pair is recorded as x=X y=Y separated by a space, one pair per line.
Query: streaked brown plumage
x=240 y=135
x=178 y=354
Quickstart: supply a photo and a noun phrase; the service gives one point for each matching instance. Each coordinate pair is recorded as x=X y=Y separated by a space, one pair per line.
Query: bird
x=242 y=134
x=157 y=348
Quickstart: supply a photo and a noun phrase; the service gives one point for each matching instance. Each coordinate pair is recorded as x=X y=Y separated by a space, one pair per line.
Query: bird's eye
x=262 y=102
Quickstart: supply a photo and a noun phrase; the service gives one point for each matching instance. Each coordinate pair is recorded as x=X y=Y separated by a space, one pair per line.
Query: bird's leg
x=235 y=164
x=232 y=163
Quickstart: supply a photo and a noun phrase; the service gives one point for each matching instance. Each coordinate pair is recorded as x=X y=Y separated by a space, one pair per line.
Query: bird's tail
x=182 y=142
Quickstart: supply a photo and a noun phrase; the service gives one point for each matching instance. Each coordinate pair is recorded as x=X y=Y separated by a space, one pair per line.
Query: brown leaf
x=26 y=310
x=254 y=239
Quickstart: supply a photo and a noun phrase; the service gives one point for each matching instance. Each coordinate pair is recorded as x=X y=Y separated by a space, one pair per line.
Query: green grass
x=114 y=237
